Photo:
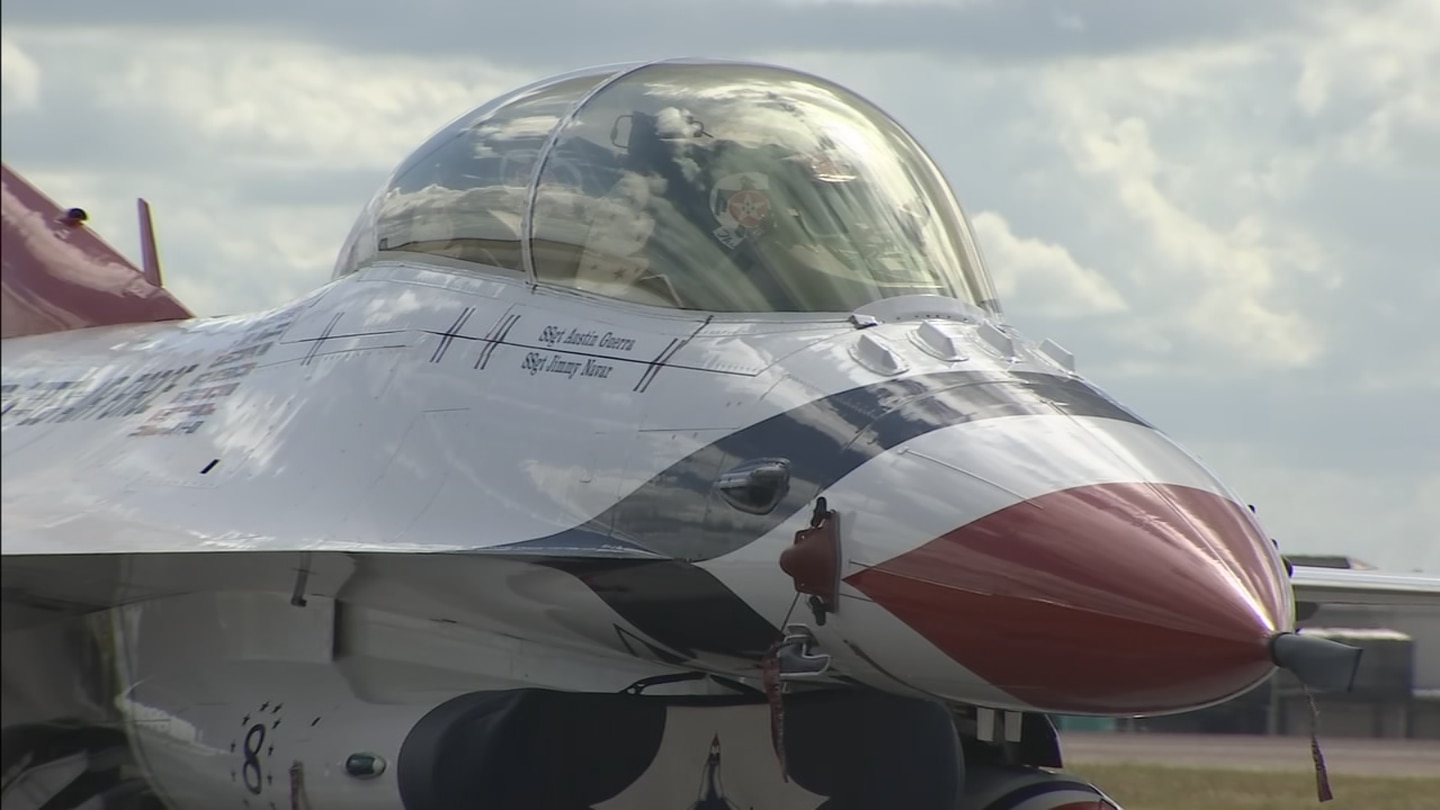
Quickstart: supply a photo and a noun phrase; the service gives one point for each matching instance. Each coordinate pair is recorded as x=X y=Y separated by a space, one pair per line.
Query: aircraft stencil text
x=557 y=335
x=536 y=362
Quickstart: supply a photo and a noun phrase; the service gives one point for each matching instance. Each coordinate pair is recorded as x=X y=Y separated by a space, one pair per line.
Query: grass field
x=1156 y=787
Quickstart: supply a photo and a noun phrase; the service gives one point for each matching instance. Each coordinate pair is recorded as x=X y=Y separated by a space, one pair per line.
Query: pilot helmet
x=742 y=190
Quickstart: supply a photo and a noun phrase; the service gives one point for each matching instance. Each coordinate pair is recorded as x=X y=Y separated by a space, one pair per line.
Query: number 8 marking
x=250 y=771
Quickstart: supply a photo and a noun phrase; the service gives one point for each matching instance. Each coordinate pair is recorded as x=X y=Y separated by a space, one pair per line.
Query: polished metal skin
x=591 y=358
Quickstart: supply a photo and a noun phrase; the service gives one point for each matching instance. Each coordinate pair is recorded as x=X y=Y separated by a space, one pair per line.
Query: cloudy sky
x=1226 y=209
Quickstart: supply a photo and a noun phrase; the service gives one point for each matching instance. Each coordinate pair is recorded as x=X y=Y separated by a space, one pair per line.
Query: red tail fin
x=60 y=275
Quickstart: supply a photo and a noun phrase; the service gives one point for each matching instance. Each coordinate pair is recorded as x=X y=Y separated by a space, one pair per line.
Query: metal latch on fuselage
x=813 y=562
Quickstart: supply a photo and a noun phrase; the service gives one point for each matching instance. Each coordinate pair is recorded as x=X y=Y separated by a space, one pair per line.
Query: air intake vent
x=876 y=355
x=996 y=339
x=941 y=340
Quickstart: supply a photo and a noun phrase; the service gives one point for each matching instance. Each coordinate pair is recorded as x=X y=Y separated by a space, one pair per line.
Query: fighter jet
x=649 y=406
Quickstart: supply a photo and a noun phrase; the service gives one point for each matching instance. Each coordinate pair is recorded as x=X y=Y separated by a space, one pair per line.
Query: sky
x=1227 y=210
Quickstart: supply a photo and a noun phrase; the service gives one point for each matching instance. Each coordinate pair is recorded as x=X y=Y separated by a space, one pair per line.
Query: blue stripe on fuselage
x=824 y=440
x=688 y=609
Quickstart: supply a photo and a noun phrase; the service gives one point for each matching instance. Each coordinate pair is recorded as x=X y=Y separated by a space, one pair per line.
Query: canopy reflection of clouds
x=712 y=186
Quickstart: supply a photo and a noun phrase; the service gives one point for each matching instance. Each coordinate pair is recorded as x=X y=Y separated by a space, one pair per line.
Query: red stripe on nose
x=1111 y=598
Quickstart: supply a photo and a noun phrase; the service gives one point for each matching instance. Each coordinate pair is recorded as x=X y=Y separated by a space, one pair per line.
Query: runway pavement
x=1379 y=757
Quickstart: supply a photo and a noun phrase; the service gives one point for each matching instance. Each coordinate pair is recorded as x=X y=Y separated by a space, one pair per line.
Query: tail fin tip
x=149 y=250
x=58 y=274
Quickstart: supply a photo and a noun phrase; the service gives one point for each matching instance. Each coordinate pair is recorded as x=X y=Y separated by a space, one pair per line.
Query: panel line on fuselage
x=664 y=356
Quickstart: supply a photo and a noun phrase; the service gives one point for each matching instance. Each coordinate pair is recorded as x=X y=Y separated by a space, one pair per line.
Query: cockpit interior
x=721 y=187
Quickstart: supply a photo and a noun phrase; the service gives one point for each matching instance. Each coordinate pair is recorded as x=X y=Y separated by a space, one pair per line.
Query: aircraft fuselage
x=682 y=378
x=980 y=487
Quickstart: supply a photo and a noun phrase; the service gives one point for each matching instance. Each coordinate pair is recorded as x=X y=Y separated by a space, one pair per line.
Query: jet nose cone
x=1107 y=598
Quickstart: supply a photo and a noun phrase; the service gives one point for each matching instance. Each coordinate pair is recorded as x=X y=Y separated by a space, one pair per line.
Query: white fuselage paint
x=410 y=409
x=385 y=433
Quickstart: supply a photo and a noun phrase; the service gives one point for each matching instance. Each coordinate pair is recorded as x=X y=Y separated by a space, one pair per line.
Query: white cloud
x=1371 y=50
x=1212 y=275
x=1379 y=65
x=19 y=77
x=287 y=102
x=245 y=114
x=1386 y=520
x=1048 y=277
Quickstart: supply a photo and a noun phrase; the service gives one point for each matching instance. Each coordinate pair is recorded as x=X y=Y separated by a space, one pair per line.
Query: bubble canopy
x=715 y=186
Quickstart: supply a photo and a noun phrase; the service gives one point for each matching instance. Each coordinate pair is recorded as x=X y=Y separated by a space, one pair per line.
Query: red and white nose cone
x=1108 y=598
